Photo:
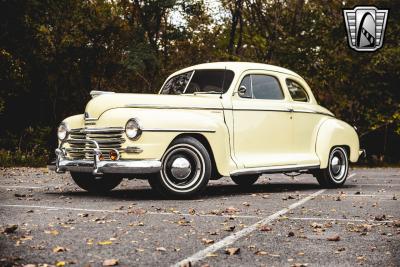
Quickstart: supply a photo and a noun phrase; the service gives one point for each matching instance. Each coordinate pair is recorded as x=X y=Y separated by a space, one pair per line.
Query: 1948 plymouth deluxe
x=208 y=121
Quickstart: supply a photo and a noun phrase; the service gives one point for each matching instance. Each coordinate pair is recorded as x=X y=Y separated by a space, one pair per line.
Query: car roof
x=238 y=67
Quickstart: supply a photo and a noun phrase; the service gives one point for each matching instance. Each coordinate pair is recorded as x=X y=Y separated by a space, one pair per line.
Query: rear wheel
x=95 y=184
x=338 y=168
x=186 y=169
x=245 y=180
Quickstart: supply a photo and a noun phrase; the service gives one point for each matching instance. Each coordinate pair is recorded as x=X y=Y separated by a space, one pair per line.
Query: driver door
x=262 y=121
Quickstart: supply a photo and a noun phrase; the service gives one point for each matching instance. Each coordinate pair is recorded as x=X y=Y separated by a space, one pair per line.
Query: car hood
x=102 y=103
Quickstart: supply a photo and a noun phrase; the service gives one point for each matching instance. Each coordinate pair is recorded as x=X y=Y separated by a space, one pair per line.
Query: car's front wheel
x=186 y=169
x=95 y=184
x=245 y=180
x=338 y=168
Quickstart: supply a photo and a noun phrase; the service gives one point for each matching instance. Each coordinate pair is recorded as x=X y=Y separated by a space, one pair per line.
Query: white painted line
x=245 y=231
x=351 y=175
x=54 y=208
x=388 y=184
x=20 y=186
x=351 y=195
x=335 y=219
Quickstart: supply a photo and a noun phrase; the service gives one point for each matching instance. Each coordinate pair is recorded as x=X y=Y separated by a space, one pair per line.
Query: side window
x=266 y=87
x=246 y=82
x=297 y=92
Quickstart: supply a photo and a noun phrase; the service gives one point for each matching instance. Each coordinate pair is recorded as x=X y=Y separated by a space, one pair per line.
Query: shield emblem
x=365 y=27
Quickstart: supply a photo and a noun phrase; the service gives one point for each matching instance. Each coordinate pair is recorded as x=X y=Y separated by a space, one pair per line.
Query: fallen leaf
x=10 y=229
x=104 y=243
x=59 y=249
x=207 y=241
x=261 y=253
x=51 y=232
x=161 y=249
x=229 y=228
x=246 y=204
x=265 y=228
x=60 y=263
x=290 y=234
x=186 y=264
x=316 y=225
x=110 y=262
x=212 y=255
x=334 y=238
x=231 y=210
x=192 y=211
x=380 y=217
x=232 y=251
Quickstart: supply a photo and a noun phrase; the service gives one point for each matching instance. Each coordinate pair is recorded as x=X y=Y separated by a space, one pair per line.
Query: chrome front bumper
x=98 y=167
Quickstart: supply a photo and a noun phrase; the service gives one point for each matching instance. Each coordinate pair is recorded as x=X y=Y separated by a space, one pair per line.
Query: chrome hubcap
x=338 y=165
x=335 y=163
x=181 y=168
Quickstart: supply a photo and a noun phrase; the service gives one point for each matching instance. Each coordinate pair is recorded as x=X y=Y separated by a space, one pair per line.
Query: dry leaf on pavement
x=232 y=251
x=59 y=249
x=110 y=262
x=333 y=238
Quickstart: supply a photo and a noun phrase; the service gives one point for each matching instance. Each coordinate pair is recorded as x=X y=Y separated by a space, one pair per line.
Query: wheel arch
x=215 y=174
x=336 y=133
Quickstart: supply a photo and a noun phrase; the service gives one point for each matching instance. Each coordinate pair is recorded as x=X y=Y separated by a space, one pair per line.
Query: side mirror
x=243 y=92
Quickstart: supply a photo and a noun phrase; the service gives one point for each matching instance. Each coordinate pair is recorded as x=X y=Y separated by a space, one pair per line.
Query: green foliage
x=53 y=53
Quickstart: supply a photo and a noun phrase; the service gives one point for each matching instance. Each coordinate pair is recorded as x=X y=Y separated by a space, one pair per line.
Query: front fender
x=334 y=132
x=162 y=126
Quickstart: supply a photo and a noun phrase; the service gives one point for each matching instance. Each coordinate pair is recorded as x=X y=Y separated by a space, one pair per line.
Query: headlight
x=62 y=131
x=132 y=129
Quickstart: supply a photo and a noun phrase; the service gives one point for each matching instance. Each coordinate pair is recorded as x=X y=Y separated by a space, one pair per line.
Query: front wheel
x=245 y=180
x=186 y=169
x=95 y=184
x=338 y=168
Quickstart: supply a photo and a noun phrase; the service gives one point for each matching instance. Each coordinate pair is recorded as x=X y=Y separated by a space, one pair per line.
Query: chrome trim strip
x=168 y=107
x=98 y=130
x=273 y=169
x=178 y=130
x=233 y=109
x=90 y=119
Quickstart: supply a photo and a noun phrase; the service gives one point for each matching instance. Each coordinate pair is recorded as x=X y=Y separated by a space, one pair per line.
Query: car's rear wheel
x=95 y=184
x=186 y=169
x=338 y=168
x=245 y=180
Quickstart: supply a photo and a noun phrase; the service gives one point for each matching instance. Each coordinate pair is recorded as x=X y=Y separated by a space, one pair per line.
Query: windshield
x=199 y=81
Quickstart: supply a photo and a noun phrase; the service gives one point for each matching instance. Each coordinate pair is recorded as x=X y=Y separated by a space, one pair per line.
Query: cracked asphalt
x=46 y=219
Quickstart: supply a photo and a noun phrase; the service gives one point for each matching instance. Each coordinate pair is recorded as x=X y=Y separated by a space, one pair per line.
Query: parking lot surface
x=280 y=221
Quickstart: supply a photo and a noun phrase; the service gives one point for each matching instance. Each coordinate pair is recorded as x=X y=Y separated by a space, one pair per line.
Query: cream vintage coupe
x=208 y=121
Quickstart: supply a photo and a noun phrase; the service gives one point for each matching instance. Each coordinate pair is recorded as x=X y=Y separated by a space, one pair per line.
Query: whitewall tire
x=186 y=169
x=335 y=174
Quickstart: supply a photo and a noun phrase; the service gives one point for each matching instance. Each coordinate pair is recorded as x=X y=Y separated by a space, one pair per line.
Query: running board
x=274 y=169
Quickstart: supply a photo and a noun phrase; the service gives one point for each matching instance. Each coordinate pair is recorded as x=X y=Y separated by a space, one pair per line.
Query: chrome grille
x=107 y=138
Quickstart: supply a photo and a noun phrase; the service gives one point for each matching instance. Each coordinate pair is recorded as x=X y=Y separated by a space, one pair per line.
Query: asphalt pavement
x=280 y=221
